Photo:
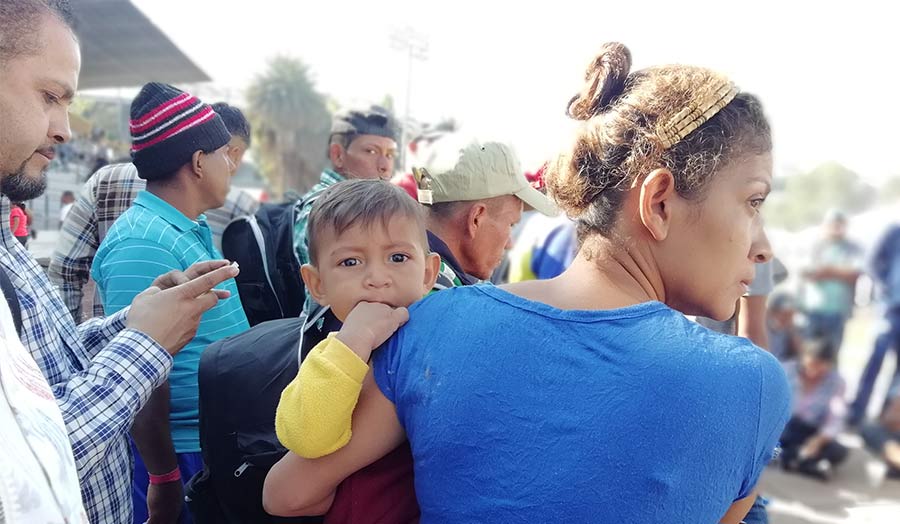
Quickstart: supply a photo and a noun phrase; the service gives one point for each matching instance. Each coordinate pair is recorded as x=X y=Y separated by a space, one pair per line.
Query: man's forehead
x=376 y=140
x=60 y=56
x=511 y=203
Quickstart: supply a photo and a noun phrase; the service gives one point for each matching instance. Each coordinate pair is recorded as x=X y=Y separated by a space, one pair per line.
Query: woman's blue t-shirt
x=520 y=412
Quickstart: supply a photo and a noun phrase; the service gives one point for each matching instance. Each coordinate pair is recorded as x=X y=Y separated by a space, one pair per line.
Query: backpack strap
x=9 y=292
x=310 y=330
x=261 y=245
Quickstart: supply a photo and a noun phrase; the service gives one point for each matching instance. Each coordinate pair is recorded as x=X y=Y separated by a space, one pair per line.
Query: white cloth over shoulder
x=38 y=479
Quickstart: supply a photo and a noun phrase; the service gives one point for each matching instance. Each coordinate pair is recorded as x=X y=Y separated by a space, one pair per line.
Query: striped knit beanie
x=168 y=126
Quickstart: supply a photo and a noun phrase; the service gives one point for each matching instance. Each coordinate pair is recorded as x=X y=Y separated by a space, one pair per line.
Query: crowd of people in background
x=471 y=342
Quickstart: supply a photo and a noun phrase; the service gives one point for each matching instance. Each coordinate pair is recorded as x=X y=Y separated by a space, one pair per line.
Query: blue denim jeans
x=758 y=513
x=189 y=463
x=888 y=339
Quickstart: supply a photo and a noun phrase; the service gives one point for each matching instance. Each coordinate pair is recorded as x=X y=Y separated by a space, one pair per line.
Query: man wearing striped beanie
x=168 y=126
x=180 y=146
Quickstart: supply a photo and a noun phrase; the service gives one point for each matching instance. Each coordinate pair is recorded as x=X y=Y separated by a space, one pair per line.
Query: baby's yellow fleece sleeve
x=315 y=411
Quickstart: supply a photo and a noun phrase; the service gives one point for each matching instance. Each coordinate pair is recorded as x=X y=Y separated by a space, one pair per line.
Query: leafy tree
x=107 y=115
x=291 y=123
x=806 y=197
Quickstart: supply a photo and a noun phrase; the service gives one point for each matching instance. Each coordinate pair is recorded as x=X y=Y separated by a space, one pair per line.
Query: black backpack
x=263 y=245
x=241 y=379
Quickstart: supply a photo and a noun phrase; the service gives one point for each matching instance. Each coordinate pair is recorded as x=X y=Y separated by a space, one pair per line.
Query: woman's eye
x=756 y=203
x=399 y=258
x=349 y=262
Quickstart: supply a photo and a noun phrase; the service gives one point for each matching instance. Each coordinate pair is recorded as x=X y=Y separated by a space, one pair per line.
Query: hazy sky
x=826 y=72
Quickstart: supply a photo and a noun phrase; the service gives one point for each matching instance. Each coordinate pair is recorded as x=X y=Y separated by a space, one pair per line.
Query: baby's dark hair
x=621 y=138
x=360 y=202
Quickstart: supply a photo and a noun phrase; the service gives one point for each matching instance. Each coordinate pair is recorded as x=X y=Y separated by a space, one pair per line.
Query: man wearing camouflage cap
x=362 y=144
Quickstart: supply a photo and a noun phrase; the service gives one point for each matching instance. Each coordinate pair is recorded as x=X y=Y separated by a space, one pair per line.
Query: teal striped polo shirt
x=147 y=240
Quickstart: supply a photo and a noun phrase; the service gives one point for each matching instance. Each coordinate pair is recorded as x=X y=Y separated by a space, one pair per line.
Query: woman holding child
x=590 y=397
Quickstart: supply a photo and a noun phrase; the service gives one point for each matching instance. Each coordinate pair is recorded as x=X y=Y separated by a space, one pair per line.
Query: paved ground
x=856 y=495
x=42 y=246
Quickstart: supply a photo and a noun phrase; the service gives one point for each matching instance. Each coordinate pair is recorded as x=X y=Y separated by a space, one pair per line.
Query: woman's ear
x=656 y=202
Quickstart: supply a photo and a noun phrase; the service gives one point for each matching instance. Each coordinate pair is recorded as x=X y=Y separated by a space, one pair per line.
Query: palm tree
x=291 y=124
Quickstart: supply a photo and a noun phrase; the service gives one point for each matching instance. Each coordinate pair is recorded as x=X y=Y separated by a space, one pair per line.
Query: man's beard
x=20 y=186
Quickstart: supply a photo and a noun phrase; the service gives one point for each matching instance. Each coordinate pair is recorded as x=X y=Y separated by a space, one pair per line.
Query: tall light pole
x=415 y=45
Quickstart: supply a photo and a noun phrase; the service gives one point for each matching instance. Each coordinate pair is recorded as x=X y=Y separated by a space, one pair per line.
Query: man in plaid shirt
x=362 y=144
x=106 y=195
x=102 y=372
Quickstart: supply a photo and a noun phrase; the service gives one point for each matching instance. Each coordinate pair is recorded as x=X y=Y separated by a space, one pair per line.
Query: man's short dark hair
x=234 y=119
x=360 y=202
x=19 y=23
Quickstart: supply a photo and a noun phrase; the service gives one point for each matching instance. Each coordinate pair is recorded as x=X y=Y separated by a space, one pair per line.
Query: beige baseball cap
x=486 y=170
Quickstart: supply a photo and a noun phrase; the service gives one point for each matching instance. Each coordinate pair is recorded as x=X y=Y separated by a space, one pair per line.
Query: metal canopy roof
x=120 y=47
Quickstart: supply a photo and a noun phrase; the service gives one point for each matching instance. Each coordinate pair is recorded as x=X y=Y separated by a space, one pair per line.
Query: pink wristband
x=171 y=476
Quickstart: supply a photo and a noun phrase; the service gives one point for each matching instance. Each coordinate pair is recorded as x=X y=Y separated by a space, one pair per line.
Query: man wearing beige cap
x=474 y=201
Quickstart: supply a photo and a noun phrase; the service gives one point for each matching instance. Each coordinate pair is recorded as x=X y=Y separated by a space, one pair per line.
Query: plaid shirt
x=301 y=211
x=450 y=274
x=101 y=374
x=105 y=196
